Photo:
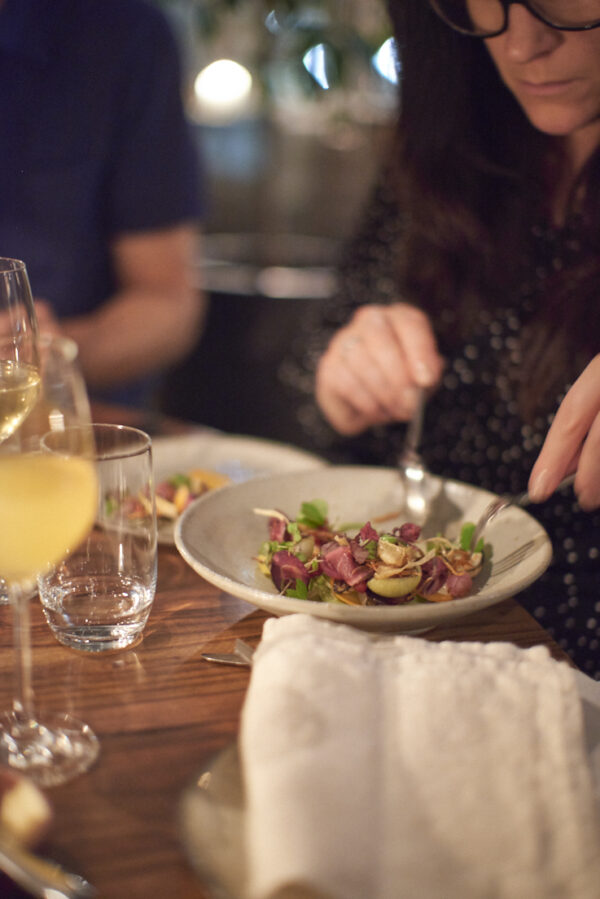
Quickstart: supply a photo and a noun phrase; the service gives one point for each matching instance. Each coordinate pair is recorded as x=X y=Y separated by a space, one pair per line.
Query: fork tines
x=512 y=559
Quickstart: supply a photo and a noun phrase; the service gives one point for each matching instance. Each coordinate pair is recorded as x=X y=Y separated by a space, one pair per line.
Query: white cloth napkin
x=396 y=768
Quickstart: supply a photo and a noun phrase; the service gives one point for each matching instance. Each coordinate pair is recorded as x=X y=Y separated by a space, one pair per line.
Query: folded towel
x=397 y=768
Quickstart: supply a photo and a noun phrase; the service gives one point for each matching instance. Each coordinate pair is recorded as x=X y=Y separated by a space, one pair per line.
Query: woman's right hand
x=371 y=371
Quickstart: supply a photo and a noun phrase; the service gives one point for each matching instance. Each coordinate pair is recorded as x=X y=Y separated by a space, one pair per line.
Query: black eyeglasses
x=489 y=18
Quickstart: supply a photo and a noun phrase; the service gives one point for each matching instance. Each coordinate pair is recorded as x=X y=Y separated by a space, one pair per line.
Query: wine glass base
x=51 y=751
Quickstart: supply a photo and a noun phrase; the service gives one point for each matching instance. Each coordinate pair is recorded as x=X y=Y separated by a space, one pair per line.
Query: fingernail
x=410 y=395
x=538 y=488
x=423 y=374
x=589 y=500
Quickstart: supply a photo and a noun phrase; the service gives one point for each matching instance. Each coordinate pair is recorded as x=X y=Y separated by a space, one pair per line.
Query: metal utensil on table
x=242 y=655
x=503 y=502
x=38 y=876
x=412 y=466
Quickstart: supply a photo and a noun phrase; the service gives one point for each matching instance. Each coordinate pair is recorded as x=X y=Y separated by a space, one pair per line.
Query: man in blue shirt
x=99 y=181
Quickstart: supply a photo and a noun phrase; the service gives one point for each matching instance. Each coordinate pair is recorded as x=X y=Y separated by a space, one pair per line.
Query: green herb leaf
x=110 y=505
x=178 y=480
x=371 y=547
x=299 y=592
x=294 y=532
x=313 y=514
x=275 y=545
x=466 y=535
x=321 y=589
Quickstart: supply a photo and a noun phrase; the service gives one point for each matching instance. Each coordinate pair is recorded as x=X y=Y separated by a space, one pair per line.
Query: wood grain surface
x=160 y=712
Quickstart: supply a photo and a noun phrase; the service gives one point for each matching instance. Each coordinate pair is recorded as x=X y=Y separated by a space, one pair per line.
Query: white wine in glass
x=47 y=506
x=19 y=376
x=19 y=386
x=19 y=371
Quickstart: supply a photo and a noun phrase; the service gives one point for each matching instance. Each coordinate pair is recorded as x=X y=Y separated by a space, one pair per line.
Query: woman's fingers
x=348 y=404
x=370 y=372
x=369 y=347
x=587 y=482
x=414 y=332
x=573 y=443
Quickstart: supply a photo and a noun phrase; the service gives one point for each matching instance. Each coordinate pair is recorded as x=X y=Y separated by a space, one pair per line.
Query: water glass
x=100 y=596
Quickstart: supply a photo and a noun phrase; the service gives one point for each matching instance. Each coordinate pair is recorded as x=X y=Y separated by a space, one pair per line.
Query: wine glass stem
x=23 y=700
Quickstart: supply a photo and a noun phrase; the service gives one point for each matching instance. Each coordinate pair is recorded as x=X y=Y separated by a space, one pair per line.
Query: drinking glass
x=47 y=506
x=100 y=596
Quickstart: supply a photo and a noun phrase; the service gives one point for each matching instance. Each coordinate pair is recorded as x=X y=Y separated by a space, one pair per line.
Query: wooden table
x=160 y=712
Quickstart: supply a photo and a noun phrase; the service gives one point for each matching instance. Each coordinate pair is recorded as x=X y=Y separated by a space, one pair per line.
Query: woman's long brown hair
x=473 y=177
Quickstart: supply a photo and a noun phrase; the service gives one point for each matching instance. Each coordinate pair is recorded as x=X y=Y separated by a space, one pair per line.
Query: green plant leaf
x=313 y=514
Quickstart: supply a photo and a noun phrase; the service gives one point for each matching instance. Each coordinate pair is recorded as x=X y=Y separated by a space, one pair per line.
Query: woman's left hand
x=573 y=443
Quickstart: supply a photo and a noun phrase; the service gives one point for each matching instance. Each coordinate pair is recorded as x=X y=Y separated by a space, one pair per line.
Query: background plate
x=219 y=536
x=240 y=458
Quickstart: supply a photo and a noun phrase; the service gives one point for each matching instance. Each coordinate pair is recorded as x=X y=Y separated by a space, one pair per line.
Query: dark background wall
x=285 y=187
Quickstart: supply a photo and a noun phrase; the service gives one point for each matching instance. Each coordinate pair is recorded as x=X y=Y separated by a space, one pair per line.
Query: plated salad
x=175 y=493
x=308 y=558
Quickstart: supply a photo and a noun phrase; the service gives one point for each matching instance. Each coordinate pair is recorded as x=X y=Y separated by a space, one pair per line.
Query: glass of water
x=101 y=595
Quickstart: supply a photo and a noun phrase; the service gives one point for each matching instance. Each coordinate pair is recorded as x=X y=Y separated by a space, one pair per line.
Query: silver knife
x=241 y=656
x=225 y=658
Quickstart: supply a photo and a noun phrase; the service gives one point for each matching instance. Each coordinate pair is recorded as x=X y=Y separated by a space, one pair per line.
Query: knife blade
x=225 y=658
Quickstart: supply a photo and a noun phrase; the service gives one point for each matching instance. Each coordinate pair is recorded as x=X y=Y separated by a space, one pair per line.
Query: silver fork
x=412 y=466
x=502 y=502
x=512 y=559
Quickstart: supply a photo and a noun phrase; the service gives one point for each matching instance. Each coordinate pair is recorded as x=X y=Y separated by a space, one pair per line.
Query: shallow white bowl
x=220 y=535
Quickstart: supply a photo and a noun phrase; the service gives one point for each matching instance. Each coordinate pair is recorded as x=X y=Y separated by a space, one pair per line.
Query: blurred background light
x=385 y=61
x=272 y=23
x=315 y=63
x=222 y=91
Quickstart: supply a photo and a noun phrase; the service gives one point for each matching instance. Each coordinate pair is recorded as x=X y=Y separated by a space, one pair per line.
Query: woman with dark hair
x=476 y=275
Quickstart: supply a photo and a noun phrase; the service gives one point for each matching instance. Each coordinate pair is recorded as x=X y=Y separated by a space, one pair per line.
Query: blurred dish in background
x=233 y=457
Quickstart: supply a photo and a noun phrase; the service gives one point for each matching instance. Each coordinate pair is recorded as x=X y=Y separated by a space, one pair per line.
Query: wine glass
x=18 y=372
x=47 y=505
x=17 y=313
